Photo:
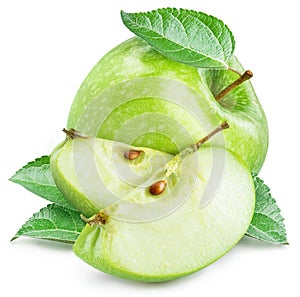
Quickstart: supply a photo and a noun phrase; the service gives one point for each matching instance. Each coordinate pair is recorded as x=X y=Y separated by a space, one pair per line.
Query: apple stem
x=218 y=129
x=197 y=145
x=72 y=133
x=159 y=186
x=101 y=218
x=244 y=77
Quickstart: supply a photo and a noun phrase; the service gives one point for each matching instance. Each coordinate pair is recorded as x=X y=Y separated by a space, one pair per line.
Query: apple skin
x=129 y=97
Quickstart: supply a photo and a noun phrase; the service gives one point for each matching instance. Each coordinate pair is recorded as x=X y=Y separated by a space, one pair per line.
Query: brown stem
x=245 y=76
x=158 y=187
x=222 y=127
x=72 y=133
x=197 y=145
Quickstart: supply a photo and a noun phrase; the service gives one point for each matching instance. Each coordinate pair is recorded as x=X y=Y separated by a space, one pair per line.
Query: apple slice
x=93 y=173
x=182 y=242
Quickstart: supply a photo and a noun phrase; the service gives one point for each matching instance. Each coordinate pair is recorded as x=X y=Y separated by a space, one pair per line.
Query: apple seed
x=132 y=154
x=158 y=187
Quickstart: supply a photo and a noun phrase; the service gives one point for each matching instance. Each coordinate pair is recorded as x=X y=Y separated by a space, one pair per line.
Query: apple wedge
x=181 y=243
x=93 y=173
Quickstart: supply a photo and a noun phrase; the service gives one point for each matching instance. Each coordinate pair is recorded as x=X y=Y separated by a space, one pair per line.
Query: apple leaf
x=53 y=222
x=37 y=177
x=267 y=222
x=187 y=36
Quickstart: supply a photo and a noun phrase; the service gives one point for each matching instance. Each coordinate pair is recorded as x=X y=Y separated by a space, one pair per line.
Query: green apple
x=155 y=222
x=136 y=96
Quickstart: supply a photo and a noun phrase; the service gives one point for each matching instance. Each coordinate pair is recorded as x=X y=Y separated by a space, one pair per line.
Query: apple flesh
x=136 y=96
x=93 y=173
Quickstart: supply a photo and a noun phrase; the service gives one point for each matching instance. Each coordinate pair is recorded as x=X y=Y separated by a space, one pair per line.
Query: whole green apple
x=137 y=96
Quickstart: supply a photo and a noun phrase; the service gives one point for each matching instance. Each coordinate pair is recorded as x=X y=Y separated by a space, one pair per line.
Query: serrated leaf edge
x=232 y=40
x=271 y=199
x=17 y=235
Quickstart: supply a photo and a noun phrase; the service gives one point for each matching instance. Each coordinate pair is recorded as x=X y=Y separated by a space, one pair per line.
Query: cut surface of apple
x=93 y=173
x=137 y=96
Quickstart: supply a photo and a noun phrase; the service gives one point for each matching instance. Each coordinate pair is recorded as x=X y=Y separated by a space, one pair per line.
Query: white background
x=47 y=48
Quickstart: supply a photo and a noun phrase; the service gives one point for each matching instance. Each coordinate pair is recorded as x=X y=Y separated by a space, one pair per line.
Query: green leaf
x=267 y=222
x=37 y=177
x=190 y=37
x=53 y=222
